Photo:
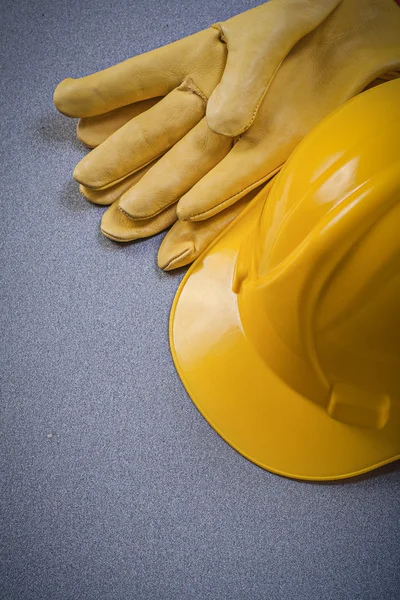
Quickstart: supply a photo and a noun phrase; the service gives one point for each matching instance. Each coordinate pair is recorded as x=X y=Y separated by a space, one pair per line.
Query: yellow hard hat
x=286 y=331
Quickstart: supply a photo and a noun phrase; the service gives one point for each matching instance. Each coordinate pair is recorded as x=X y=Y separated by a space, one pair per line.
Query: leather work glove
x=245 y=51
x=206 y=171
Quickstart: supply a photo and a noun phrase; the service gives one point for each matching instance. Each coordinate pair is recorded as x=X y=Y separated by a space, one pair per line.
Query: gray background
x=113 y=486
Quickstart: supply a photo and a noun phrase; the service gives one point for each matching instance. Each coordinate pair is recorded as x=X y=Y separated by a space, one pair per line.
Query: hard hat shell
x=286 y=332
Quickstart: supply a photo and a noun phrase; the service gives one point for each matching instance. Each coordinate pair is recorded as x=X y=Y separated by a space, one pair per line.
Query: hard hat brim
x=242 y=398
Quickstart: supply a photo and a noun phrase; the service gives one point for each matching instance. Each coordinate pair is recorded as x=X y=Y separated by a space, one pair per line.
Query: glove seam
x=191 y=87
x=261 y=98
x=112 y=183
x=179 y=256
x=218 y=27
x=114 y=238
x=235 y=196
x=147 y=216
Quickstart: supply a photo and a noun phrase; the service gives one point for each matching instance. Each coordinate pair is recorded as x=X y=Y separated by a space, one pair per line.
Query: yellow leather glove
x=185 y=240
x=352 y=46
x=177 y=81
x=245 y=51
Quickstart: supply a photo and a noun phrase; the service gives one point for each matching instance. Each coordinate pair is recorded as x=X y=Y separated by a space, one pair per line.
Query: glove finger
x=243 y=169
x=109 y=195
x=119 y=227
x=176 y=172
x=186 y=241
x=143 y=139
x=284 y=119
x=92 y=131
x=258 y=41
x=148 y=75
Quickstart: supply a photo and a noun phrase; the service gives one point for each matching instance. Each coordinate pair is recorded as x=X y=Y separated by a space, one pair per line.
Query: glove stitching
x=261 y=98
x=179 y=256
x=188 y=85
x=114 y=238
x=110 y=184
x=218 y=27
x=236 y=196
x=147 y=216
x=250 y=123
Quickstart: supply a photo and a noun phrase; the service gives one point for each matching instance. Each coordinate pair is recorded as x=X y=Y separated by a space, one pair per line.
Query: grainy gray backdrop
x=113 y=486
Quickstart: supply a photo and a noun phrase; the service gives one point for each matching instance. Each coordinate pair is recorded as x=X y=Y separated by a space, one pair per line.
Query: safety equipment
x=245 y=51
x=186 y=240
x=286 y=331
x=203 y=171
x=258 y=41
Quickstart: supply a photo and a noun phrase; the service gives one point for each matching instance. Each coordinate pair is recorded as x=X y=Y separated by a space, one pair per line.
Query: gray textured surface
x=113 y=486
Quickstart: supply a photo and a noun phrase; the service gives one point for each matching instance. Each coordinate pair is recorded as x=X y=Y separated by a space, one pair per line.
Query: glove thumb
x=258 y=41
